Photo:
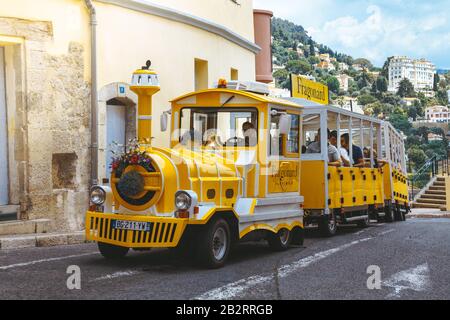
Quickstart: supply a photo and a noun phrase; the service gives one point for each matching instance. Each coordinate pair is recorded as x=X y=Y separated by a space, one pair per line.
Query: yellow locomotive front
x=231 y=173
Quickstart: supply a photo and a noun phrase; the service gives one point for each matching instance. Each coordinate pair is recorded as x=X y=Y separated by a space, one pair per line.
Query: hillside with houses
x=410 y=93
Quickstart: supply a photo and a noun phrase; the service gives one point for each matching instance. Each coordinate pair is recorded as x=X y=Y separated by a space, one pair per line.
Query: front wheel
x=328 y=226
x=110 y=251
x=280 y=241
x=214 y=244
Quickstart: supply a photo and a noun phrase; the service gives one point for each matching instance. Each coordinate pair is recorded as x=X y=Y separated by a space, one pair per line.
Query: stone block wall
x=50 y=121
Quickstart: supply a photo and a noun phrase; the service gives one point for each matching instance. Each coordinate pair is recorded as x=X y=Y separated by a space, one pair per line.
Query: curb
x=41 y=240
x=431 y=216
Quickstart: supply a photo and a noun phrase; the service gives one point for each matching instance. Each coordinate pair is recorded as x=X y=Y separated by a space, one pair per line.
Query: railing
x=433 y=167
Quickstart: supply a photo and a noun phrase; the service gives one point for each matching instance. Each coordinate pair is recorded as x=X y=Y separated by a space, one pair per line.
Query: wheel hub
x=219 y=243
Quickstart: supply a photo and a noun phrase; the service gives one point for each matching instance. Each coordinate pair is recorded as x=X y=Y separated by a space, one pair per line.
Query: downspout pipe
x=94 y=93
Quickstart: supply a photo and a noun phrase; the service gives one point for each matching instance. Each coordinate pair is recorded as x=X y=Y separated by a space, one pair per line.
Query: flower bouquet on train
x=130 y=182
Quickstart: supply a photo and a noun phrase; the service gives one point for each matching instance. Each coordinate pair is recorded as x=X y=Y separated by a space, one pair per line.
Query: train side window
x=311 y=134
x=275 y=136
x=292 y=140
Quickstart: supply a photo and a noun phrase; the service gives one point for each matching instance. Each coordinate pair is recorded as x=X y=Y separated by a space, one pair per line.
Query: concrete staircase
x=433 y=196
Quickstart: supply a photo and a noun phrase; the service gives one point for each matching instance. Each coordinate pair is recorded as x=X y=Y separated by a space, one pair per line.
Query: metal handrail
x=434 y=163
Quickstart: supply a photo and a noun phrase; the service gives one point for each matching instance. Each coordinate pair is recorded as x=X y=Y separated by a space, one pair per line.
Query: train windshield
x=219 y=127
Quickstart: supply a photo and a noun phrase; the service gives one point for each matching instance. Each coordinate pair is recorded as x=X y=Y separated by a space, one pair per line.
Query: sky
x=373 y=29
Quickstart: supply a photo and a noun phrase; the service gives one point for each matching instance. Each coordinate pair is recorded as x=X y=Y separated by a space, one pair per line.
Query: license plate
x=130 y=225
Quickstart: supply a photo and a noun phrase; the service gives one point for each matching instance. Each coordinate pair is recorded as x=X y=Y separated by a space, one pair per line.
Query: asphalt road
x=413 y=258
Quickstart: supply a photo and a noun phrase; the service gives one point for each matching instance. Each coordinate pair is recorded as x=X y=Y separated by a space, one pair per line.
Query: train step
x=435 y=192
x=426 y=206
x=431 y=201
x=434 y=196
x=437 y=188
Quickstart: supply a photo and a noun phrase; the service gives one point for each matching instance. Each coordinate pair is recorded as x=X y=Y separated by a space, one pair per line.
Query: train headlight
x=98 y=195
x=183 y=200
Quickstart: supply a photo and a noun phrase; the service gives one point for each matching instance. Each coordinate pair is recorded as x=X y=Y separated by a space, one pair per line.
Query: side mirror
x=285 y=123
x=163 y=121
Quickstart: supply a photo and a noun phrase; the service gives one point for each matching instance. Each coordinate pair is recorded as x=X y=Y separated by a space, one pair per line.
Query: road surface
x=413 y=259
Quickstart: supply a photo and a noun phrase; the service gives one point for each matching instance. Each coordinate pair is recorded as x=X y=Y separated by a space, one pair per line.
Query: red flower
x=115 y=165
x=134 y=159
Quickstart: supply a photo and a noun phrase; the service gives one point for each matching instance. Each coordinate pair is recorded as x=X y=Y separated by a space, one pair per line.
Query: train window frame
x=252 y=109
x=322 y=119
x=285 y=138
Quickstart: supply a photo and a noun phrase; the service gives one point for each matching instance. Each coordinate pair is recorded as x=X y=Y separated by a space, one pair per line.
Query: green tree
x=406 y=89
x=375 y=108
x=400 y=122
x=313 y=60
x=417 y=157
x=423 y=132
x=282 y=78
x=417 y=104
x=365 y=63
x=366 y=99
x=363 y=80
x=385 y=69
x=312 y=48
x=333 y=84
x=298 y=66
x=382 y=84
x=436 y=82
x=391 y=98
x=442 y=97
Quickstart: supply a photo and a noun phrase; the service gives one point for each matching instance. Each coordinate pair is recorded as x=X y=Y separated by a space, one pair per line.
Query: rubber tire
x=298 y=236
x=325 y=229
x=389 y=217
x=363 y=223
x=399 y=216
x=204 y=252
x=275 y=243
x=112 y=252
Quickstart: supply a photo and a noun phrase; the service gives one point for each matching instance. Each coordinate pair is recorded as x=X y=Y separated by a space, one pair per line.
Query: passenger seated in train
x=342 y=151
x=357 y=154
x=377 y=163
x=334 y=158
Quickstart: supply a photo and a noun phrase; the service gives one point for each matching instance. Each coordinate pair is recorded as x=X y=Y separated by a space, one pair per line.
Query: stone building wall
x=50 y=121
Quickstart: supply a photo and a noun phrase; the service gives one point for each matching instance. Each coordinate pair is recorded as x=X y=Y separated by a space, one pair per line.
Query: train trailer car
x=369 y=181
x=232 y=173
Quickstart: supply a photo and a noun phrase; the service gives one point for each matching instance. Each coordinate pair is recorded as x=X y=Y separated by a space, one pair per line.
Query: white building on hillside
x=437 y=114
x=344 y=81
x=419 y=72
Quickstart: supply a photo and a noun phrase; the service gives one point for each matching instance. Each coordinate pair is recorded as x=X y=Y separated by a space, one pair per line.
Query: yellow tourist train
x=243 y=166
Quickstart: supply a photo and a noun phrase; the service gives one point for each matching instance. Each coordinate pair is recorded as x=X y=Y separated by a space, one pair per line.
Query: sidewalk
x=428 y=213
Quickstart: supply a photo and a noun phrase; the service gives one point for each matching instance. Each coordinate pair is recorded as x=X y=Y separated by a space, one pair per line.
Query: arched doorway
x=117 y=106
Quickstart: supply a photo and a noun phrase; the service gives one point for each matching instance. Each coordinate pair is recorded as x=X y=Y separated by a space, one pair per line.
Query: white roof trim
x=178 y=16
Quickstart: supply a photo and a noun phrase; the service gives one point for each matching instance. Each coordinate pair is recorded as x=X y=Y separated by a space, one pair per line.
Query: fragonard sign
x=302 y=87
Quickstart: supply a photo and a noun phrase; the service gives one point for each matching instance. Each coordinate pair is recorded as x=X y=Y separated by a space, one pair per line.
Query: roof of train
x=251 y=95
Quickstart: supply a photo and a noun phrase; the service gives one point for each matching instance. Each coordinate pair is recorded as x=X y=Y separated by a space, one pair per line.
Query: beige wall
x=128 y=38
x=48 y=43
x=224 y=12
